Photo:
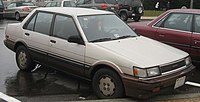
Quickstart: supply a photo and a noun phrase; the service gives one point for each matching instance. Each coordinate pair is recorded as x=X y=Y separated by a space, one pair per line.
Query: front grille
x=172 y=66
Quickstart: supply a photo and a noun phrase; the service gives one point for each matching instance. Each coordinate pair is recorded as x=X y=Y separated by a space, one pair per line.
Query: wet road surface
x=45 y=84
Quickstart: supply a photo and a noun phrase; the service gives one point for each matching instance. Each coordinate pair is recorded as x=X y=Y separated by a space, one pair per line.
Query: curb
x=168 y=98
x=147 y=18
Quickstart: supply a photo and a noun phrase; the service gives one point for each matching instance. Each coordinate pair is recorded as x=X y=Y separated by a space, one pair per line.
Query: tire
x=107 y=84
x=23 y=59
x=123 y=16
x=136 y=18
x=17 y=16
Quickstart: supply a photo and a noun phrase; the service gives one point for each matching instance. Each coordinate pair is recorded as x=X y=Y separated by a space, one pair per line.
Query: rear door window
x=43 y=23
x=11 y=5
x=30 y=25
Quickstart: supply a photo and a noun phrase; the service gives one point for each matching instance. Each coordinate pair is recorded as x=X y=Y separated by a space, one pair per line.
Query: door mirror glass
x=75 y=39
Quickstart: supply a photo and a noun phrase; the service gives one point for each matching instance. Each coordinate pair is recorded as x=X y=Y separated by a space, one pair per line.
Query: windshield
x=69 y=4
x=104 y=27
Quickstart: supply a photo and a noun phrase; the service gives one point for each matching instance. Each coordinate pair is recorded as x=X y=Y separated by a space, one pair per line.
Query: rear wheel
x=23 y=59
x=137 y=18
x=123 y=16
x=17 y=16
x=107 y=84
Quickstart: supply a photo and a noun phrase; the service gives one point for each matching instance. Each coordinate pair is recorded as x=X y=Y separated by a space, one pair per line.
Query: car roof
x=195 y=11
x=73 y=11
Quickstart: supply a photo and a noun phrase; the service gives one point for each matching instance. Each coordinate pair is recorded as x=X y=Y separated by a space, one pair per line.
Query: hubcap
x=17 y=16
x=106 y=86
x=22 y=59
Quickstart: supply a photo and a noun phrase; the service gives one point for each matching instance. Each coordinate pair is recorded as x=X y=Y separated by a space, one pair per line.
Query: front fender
x=103 y=63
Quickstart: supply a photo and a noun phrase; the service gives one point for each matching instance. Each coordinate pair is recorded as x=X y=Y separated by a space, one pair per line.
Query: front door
x=176 y=31
x=66 y=56
x=196 y=39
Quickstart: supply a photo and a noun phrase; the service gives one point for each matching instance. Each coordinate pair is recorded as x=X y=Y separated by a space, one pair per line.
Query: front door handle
x=52 y=41
x=27 y=34
x=196 y=41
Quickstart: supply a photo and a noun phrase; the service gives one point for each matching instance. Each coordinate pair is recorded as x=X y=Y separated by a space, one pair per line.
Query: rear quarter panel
x=13 y=31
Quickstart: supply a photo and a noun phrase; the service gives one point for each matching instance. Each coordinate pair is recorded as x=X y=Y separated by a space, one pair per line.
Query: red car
x=179 y=28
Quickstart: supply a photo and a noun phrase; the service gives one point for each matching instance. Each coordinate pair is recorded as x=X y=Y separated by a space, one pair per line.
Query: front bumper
x=147 y=88
x=133 y=14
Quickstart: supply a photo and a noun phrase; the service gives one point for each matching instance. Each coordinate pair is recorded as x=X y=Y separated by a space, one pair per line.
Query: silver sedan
x=18 y=10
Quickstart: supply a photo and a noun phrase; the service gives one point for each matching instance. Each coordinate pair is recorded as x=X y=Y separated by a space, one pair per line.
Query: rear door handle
x=27 y=34
x=52 y=41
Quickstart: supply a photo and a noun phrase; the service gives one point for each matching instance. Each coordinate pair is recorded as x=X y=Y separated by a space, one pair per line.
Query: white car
x=63 y=3
x=97 y=46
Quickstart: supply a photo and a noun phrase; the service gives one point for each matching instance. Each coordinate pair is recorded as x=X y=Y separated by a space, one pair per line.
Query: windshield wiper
x=123 y=37
x=101 y=39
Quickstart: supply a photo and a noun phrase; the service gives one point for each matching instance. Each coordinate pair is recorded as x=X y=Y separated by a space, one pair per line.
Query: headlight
x=153 y=71
x=188 y=61
x=138 y=72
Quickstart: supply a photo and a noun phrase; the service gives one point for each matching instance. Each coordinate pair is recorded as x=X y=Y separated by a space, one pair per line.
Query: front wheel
x=23 y=59
x=107 y=84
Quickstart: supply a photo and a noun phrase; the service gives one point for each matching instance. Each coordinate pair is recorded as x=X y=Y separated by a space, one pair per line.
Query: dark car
x=179 y=28
x=109 y=5
x=1 y=9
x=130 y=9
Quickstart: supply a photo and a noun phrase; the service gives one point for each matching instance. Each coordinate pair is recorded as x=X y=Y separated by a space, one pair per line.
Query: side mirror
x=75 y=39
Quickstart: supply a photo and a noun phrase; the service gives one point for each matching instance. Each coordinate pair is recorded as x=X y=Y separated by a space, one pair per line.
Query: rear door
x=36 y=33
x=176 y=31
x=66 y=56
x=195 y=53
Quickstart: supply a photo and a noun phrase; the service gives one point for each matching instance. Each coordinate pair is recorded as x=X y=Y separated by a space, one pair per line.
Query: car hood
x=139 y=23
x=144 y=52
